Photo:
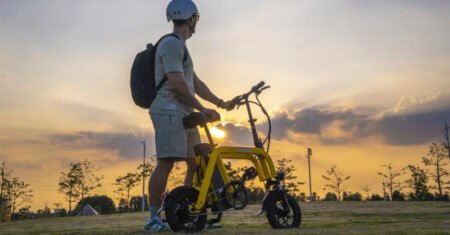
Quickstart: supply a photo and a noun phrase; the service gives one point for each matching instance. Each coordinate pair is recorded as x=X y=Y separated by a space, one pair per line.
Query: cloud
x=412 y=128
x=127 y=144
x=410 y=104
x=410 y=121
x=236 y=135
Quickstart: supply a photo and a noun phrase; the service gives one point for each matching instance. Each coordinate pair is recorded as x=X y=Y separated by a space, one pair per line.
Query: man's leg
x=193 y=138
x=157 y=184
x=191 y=170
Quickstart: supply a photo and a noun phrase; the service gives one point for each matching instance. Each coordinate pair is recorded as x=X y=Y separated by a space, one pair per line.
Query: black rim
x=181 y=209
x=284 y=218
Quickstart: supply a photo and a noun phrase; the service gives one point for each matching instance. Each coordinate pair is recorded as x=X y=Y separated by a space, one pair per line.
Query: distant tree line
x=79 y=181
x=417 y=185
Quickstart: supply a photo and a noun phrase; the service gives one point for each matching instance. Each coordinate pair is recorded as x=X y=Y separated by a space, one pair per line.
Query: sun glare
x=217 y=133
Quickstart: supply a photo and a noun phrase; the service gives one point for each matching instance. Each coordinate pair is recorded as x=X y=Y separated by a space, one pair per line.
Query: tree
x=351 y=196
x=79 y=181
x=125 y=184
x=14 y=190
x=390 y=177
x=335 y=180
x=290 y=182
x=136 y=203
x=44 y=212
x=23 y=213
x=19 y=193
x=88 y=178
x=148 y=168
x=234 y=173
x=5 y=177
x=330 y=197
x=437 y=158
x=62 y=212
x=366 y=189
x=146 y=171
x=376 y=197
x=69 y=184
x=398 y=196
x=418 y=183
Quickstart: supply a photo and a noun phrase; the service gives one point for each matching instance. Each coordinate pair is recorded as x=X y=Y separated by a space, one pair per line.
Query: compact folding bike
x=186 y=207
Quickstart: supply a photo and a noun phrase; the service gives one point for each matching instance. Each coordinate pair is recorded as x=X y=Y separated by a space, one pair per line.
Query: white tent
x=87 y=210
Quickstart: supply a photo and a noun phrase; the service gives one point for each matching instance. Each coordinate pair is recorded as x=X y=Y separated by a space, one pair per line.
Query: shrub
x=352 y=196
x=376 y=197
x=330 y=197
x=101 y=203
x=398 y=196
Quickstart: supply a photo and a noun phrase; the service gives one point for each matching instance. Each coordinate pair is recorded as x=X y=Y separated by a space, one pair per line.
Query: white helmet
x=181 y=10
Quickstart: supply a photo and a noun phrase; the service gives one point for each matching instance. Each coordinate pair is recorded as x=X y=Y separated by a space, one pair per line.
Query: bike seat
x=202 y=149
x=194 y=119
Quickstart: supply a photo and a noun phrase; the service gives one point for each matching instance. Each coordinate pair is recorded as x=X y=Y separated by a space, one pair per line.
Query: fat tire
x=176 y=219
x=272 y=210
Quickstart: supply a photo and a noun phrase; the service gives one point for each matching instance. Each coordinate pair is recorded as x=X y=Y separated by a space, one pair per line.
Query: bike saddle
x=195 y=119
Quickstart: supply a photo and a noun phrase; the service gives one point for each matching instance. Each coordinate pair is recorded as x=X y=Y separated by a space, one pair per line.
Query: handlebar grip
x=259 y=85
x=235 y=101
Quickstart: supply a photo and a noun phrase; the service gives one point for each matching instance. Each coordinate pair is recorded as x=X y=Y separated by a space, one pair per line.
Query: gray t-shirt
x=169 y=58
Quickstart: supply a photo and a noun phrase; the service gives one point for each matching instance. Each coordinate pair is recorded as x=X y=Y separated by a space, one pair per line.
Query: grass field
x=318 y=218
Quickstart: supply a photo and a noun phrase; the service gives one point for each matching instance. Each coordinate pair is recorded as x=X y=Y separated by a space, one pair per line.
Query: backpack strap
x=185 y=57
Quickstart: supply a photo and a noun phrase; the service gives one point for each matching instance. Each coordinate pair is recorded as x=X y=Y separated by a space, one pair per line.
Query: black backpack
x=142 y=81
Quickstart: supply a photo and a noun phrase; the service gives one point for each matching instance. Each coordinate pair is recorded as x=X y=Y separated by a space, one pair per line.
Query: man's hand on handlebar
x=228 y=105
x=211 y=114
x=239 y=100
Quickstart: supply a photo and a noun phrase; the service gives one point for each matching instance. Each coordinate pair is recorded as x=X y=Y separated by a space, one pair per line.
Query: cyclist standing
x=175 y=100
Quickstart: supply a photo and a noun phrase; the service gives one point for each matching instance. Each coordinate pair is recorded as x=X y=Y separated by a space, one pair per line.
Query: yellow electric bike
x=186 y=207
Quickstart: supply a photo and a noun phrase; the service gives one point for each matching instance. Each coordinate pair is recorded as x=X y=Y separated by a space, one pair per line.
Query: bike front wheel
x=282 y=214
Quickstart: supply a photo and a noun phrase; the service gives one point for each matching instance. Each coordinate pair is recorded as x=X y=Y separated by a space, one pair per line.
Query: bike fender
x=266 y=199
x=166 y=203
x=168 y=199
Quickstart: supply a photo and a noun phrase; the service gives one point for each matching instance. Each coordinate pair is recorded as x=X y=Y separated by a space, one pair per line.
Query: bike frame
x=257 y=155
x=260 y=159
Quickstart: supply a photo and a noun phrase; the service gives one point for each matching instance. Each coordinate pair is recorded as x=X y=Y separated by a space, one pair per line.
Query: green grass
x=318 y=218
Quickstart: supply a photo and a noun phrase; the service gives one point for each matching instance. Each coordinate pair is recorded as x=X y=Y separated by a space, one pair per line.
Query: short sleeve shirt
x=169 y=59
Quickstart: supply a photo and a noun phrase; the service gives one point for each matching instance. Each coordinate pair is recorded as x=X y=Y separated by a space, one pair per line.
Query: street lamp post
x=309 y=170
x=445 y=132
x=143 y=178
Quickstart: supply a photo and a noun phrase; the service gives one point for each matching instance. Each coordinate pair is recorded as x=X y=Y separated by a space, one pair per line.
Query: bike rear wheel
x=178 y=213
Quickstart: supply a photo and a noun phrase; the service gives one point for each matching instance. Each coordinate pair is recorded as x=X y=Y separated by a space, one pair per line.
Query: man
x=175 y=100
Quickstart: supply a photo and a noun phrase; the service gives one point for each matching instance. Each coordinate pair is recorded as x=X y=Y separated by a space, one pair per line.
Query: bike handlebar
x=257 y=86
x=257 y=89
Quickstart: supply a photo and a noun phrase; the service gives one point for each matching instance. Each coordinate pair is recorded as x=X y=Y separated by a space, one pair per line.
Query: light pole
x=445 y=132
x=143 y=178
x=309 y=170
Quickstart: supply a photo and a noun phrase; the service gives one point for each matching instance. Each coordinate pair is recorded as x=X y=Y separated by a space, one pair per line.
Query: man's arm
x=204 y=92
x=182 y=92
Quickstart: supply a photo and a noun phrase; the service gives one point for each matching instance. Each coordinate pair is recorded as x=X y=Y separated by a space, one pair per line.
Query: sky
x=363 y=83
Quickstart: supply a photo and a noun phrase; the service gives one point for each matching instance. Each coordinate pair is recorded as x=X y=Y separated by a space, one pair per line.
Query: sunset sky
x=363 y=83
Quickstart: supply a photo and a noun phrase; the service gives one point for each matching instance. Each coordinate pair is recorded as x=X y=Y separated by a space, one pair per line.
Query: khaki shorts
x=172 y=140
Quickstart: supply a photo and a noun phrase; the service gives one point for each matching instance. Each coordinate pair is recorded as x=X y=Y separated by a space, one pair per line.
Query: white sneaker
x=155 y=225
